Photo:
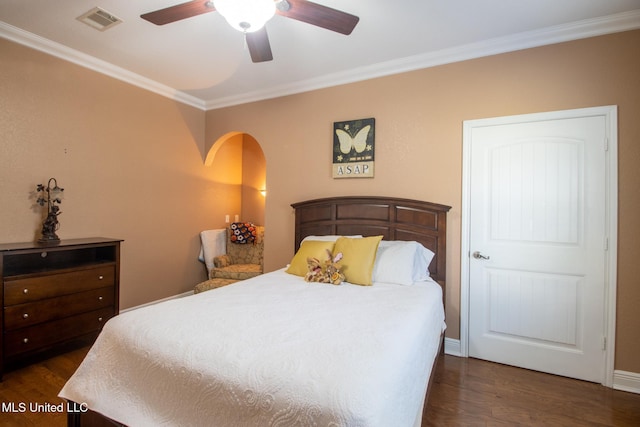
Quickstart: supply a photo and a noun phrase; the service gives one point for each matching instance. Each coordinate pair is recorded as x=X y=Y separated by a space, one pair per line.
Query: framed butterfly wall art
x=354 y=148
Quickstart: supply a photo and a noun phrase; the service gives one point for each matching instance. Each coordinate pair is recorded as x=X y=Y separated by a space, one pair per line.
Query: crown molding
x=551 y=35
x=63 y=52
x=557 y=34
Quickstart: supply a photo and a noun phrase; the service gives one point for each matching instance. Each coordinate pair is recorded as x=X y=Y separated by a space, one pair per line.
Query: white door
x=537 y=244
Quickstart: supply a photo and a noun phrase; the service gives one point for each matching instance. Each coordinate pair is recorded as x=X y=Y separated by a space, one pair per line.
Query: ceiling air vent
x=99 y=19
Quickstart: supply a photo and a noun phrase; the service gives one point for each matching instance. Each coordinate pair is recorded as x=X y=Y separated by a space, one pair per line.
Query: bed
x=276 y=350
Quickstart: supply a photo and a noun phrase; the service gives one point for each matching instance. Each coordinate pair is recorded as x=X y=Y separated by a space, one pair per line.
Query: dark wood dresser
x=55 y=297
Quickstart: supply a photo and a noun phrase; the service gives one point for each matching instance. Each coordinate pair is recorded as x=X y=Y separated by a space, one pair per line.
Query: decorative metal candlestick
x=50 y=224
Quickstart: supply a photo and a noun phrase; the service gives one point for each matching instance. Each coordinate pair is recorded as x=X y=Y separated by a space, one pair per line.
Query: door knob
x=478 y=255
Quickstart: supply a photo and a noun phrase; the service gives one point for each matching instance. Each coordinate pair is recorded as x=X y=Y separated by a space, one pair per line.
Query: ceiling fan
x=249 y=16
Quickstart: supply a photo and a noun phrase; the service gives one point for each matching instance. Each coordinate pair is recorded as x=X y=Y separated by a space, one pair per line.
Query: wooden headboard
x=393 y=218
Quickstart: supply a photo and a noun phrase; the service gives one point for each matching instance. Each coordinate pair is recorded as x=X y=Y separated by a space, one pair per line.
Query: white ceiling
x=202 y=61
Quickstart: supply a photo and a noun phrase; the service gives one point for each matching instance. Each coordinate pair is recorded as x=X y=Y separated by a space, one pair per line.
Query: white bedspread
x=269 y=351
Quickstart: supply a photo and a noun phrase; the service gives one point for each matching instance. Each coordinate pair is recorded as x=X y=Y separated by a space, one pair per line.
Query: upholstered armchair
x=242 y=260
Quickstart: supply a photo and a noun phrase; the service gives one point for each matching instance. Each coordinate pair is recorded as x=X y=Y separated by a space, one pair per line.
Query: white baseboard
x=622 y=380
x=452 y=347
x=626 y=381
x=185 y=294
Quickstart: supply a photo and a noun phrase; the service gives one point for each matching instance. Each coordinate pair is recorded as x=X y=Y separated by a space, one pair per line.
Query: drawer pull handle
x=25 y=341
x=99 y=319
x=100 y=277
x=25 y=291
x=25 y=316
x=100 y=298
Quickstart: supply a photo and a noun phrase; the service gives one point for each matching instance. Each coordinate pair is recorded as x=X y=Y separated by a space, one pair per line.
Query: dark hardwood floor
x=38 y=384
x=466 y=392
x=472 y=392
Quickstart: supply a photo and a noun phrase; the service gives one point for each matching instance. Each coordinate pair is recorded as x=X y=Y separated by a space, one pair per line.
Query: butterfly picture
x=357 y=142
x=353 y=148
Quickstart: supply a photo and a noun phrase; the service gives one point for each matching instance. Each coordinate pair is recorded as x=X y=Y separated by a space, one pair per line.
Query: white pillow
x=421 y=267
x=401 y=262
x=328 y=238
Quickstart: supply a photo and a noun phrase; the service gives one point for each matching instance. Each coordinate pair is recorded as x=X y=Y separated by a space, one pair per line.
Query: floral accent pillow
x=243 y=232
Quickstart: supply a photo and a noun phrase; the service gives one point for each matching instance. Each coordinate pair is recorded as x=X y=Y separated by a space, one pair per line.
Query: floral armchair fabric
x=242 y=261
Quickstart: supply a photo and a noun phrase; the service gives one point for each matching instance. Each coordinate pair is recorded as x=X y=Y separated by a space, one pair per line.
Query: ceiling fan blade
x=319 y=15
x=259 y=47
x=179 y=12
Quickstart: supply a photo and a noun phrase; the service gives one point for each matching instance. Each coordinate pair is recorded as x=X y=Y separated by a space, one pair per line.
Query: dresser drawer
x=23 y=315
x=29 y=289
x=47 y=334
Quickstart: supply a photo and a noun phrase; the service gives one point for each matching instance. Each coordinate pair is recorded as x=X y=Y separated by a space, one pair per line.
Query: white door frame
x=610 y=113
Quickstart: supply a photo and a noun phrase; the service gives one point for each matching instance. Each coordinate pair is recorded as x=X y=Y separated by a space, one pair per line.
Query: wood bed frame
x=393 y=218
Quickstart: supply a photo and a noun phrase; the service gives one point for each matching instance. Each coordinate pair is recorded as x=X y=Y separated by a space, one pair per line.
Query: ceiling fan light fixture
x=246 y=15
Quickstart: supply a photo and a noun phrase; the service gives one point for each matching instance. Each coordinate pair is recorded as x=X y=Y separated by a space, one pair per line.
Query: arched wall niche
x=239 y=161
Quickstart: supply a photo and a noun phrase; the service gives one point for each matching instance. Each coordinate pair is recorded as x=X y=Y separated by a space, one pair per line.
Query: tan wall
x=419 y=119
x=131 y=163
x=226 y=164
x=237 y=159
x=253 y=181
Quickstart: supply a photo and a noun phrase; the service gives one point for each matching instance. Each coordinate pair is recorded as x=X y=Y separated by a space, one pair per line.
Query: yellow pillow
x=308 y=248
x=358 y=256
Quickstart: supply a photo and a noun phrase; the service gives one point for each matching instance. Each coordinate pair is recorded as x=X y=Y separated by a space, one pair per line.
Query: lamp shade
x=246 y=15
